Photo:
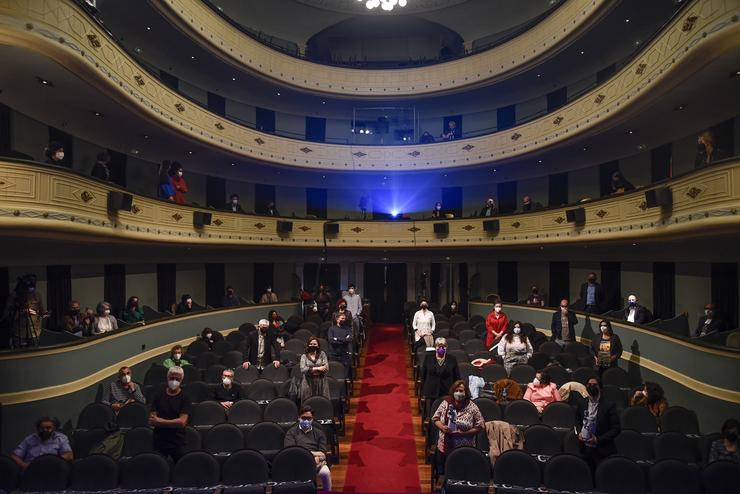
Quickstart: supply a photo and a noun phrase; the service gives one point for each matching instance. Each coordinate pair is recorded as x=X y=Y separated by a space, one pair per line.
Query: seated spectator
x=620 y=184
x=541 y=391
x=185 y=306
x=233 y=204
x=269 y=297
x=458 y=419
x=231 y=299
x=451 y=309
x=535 y=298
x=528 y=206
x=175 y=359
x=45 y=441
x=227 y=394
x=597 y=423
x=169 y=416
x=427 y=138
x=489 y=209
x=607 y=347
x=437 y=211
x=340 y=342
x=726 y=447
x=55 y=153
x=104 y=321
x=124 y=391
x=563 y=325
x=651 y=395
x=304 y=434
x=440 y=371
x=423 y=325
x=133 y=313
x=206 y=336
x=165 y=189
x=635 y=312
x=710 y=322
x=314 y=367
x=497 y=322
x=707 y=151
x=452 y=132
x=262 y=347
x=514 y=348
x=271 y=210
x=88 y=322
x=178 y=182
x=73 y=320
x=592 y=294
x=323 y=298
x=100 y=169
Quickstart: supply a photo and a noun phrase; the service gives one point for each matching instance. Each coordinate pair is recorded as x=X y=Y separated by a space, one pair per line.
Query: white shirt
x=631 y=315
x=354 y=304
x=423 y=324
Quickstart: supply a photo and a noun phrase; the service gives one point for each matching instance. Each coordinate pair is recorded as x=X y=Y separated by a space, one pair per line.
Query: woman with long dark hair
x=607 y=347
x=314 y=367
x=514 y=348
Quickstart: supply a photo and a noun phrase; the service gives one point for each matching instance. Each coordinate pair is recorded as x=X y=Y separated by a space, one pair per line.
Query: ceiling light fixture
x=386 y=5
x=97 y=114
x=44 y=82
x=148 y=28
x=192 y=57
x=233 y=78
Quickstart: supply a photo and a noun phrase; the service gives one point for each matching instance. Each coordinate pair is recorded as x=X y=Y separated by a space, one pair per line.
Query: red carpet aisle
x=382 y=457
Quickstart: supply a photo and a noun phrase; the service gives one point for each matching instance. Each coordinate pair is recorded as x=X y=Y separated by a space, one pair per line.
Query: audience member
x=100 y=169
x=276 y=321
x=133 y=313
x=305 y=435
x=597 y=422
x=541 y=391
x=427 y=138
x=620 y=184
x=497 y=323
x=323 y=300
x=439 y=372
x=437 y=211
x=207 y=337
x=342 y=309
x=124 y=390
x=169 y=416
x=340 y=341
x=607 y=347
x=55 y=153
x=592 y=294
x=73 y=320
x=226 y=393
x=707 y=151
x=178 y=182
x=709 y=323
x=354 y=305
x=233 y=204
x=458 y=419
x=231 y=299
x=45 y=441
x=651 y=395
x=528 y=206
x=185 y=306
x=270 y=209
x=24 y=309
x=88 y=322
x=314 y=367
x=563 y=325
x=451 y=309
x=165 y=189
x=635 y=312
x=725 y=448
x=423 y=325
x=175 y=359
x=104 y=321
x=535 y=298
x=269 y=297
x=489 y=209
x=514 y=348
x=452 y=132
x=262 y=347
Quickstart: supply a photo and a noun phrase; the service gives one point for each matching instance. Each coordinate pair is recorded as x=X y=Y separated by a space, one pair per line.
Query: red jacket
x=495 y=327
x=181 y=188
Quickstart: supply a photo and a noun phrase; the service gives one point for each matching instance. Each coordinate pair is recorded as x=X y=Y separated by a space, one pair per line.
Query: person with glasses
x=124 y=390
x=304 y=434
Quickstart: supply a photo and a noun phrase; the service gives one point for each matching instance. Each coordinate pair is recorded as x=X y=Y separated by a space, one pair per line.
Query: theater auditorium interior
x=370 y=246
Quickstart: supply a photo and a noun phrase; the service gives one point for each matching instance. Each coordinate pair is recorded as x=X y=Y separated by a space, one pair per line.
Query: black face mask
x=701 y=147
x=45 y=435
x=731 y=436
x=75 y=312
x=313 y=349
x=593 y=390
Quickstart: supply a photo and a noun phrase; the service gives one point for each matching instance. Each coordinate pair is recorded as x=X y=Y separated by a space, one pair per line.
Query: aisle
x=382 y=457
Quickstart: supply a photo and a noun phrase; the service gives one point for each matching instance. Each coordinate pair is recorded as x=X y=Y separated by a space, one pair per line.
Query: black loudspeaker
x=331 y=228
x=119 y=201
x=491 y=226
x=284 y=226
x=577 y=216
x=660 y=197
x=441 y=228
x=200 y=219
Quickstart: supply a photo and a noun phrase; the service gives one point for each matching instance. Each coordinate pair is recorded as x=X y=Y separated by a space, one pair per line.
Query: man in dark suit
x=710 y=322
x=563 y=325
x=233 y=204
x=597 y=423
x=592 y=294
x=262 y=347
x=635 y=312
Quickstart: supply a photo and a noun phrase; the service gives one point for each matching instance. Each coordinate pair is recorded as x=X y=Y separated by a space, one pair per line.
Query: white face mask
x=351 y=291
x=59 y=155
x=269 y=290
x=633 y=300
x=535 y=381
x=706 y=312
x=459 y=395
x=173 y=384
x=106 y=312
x=235 y=201
x=603 y=329
x=179 y=173
x=125 y=379
x=189 y=301
x=226 y=381
x=497 y=309
x=177 y=356
x=517 y=330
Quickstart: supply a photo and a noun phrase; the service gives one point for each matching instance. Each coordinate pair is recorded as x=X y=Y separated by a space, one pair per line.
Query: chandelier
x=384 y=4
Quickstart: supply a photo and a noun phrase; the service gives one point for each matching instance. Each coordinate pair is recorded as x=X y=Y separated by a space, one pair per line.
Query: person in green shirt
x=175 y=359
x=133 y=313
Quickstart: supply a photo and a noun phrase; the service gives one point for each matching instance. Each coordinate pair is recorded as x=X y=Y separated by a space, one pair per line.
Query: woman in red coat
x=496 y=324
x=178 y=183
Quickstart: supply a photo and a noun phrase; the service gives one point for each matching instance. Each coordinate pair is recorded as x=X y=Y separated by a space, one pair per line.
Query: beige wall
x=141 y=280
x=87 y=284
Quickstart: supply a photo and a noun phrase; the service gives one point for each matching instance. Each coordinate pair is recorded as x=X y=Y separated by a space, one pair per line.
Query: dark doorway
x=559 y=282
x=611 y=280
x=664 y=290
x=508 y=277
x=315 y=273
x=385 y=286
x=215 y=284
x=506 y=197
x=452 y=200
x=606 y=170
x=462 y=286
x=117 y=166
x=114 y=287
x=263 y=274
x=725 y=291
x=557 y=191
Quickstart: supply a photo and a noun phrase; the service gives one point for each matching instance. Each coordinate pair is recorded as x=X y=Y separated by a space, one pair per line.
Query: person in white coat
x=423 y=325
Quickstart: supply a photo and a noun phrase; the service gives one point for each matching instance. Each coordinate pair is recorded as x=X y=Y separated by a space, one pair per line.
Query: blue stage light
x=394 y=213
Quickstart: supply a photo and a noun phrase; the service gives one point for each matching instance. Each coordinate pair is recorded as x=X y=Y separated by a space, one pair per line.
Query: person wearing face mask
x=541 y=391
x=227 y=393
x=88 y=321
x=208 y=337
x=451 y=309
x=437 y=211
x=342 y=309
x=489 y=209
x=707 y=151
x=55 y=154
x=314 y=366
x=233 y=204
x=45 y=441
x=340 y=340
x=304 y=434
x=497 y=323
x=535 y=298
x=100 y=169
x=175 y=359
x=169 y=416
x=262 y=347
x=651 y=396
x=514 y=347
x=270 y=209
x=178 y=182
x=423 y=325
x=597 y=424
x=324 y=301
x=620 y=184
x=354 y=306
x=635 y=312
x=133 y=313
x=709 y=323
x=592 y=294
x=439 y=372
x=269 y=297
x=563 y=325
x=165 y=189
x=73 y=319
x=607 y=347
x=186 y=305
x=104 y=321
x=458 y=419
x=725 y=448
x=124 y=390
x=231 y=299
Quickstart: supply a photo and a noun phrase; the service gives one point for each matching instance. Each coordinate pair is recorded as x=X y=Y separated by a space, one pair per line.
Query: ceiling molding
x=354 y=7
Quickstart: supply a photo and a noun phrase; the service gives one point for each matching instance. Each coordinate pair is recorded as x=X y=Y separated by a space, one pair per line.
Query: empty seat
x=45 y=473
x=583 y=374
x=156 y=375
x=578 y=349
x=245 y=413
x=539 y=360
x=296 y=345
x=558 y=374
x=522 y=373
x=567 y=360
x=721 y=477
x=676 y=446
x=262 y=391
x=639 y=419
x=489 y=409
x=196 y=348
x=634 y=445
x=266 y=437
x=323 y=410
x=246 y=376
x=275 y=374
x=679 y=419
x=467 y=334
x=516 y=468
x=9 y=473
x=232 y=359
x=206 y=414
x=245 y=467
x=567 y=472
x=207 y=359
x=95 y=415
x=198 y=391
x=304 y=334
x=540 y=439
x=222 y=347
x=466 y=370
x=84 y=439
x=619 y=475
x=293 y=465
x=222 y=439
x=144 y=471
x=132 y=415
x=559 y=414
x=453 y=344
x=214 y=373
x=615 y=376
x=522 y=413
x=613 y=394
x=192 y=374
x=492 y=373
x=282 y=411
x=137 y=440
x=467 y=464
x=460 y=355
x=95 y=473
x=473 y=345
x=550 y=348
x=196 y=469
x=192 y=439
x=236 y=337
x=674 y=477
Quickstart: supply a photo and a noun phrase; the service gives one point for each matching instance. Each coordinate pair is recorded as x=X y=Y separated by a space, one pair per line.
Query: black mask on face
x=731 y=435
x=45 y=435
x=701 y=147
x=75 y=312
x=593 y=390
x=313 y=349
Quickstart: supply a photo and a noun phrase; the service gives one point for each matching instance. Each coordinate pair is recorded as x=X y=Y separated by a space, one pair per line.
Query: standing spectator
x=458 y=419
x=354 y=305
x=175 y=359
x=271 y=210
x=165 y=189
x=725 y=448
x=709 y=323
x=535 y=298
x=314 y=366
x=620 y=184
x=233 y=204
x=514 y=348
x=269 y=297
x=437 y=211
x=340 y=341
x=100 y=169
x=707 y=151
x=342 y=309
x=276 y=321
x=45 y=441
x=489 y=209
x=439 y=373
x=178 y=182
x=104 y=321
x=652 y=396
x=227 y=394
x=423 y=325
x=597 y=423
x=529 y=206
x=452 y=133
x=133 y=313
x=73 y=319
x=323 y=300
x=262 y=347
x=185 y=306
x=207 y=337
x=305 y=435
x=451 y=309
x=592 y=294
x=55 y=154
x=124 y=390
x=427 y=138
x=169 y=416
x=497 y=323
x=607 y=347
x=231 y=299
x=636 y=313
x=541 y=391
x=25 y=312
x=563 y=325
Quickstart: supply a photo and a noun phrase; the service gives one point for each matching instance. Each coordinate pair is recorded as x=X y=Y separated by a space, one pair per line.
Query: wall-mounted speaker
x=577 y=216
x=331 y=228
x=660 y=197
x=200 y=219
x=441 y=228
x=119 y=201
x=284 y=226
x=491 y=226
